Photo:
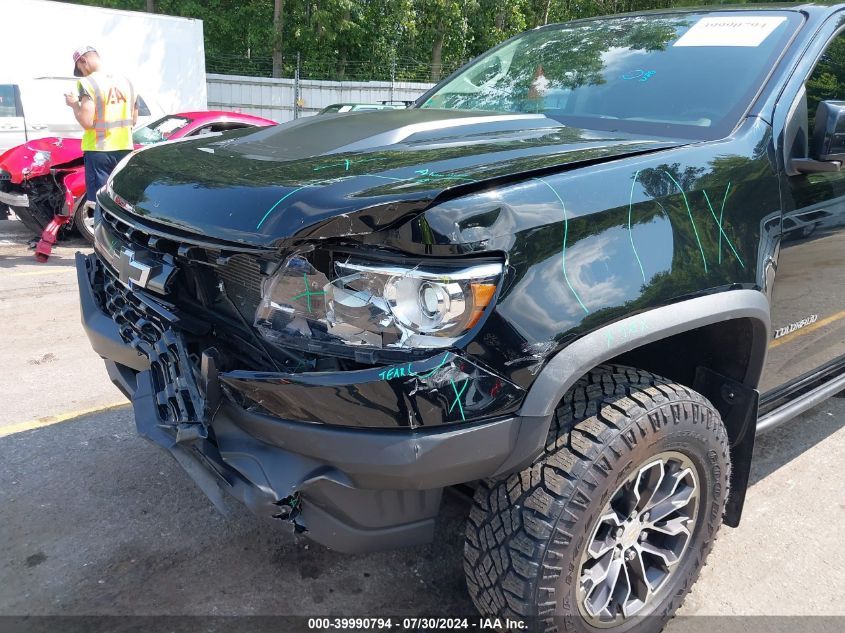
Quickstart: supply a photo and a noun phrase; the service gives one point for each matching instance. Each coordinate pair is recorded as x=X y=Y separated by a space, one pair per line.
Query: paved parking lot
x=95 y=520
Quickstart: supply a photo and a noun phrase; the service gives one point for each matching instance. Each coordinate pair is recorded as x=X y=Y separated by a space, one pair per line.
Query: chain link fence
x=307 y=86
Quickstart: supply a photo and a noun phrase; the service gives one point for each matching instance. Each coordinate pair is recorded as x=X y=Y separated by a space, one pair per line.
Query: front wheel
x=83 y=219
x=610 y=527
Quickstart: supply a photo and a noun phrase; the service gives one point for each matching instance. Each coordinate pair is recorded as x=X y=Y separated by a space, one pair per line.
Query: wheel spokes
x=672 y=527
x=647 y=484
x=639 y=539
x=606 y=579
x=678 y=497
x=641 y=588
x=667 y=555
x=604 y=537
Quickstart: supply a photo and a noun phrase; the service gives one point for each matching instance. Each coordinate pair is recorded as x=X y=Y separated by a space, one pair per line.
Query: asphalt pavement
x=96 y=521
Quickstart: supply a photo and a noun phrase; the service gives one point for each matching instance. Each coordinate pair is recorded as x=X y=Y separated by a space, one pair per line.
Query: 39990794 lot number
x=411 y=624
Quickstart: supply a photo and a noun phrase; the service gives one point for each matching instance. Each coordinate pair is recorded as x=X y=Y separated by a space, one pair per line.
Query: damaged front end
x=40 y=181
x=328 y=388
x=324 y=320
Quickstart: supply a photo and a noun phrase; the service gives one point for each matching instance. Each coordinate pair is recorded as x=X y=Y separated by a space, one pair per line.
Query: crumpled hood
x=38 y=157
x=344 y=174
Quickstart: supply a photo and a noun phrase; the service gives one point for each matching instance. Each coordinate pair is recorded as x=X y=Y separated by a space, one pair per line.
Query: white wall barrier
x=274 y=98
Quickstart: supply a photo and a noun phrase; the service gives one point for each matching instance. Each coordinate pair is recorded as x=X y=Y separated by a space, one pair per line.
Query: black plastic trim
x=800 y=404
x=103 y=333
x=738 y=405
x=360 y=490
x=398 y=459
x=592 y=349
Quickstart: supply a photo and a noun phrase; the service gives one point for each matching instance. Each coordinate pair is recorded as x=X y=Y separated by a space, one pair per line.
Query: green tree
x=367 y=39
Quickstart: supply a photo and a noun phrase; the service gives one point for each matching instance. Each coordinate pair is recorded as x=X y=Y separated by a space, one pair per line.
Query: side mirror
x=828 y=142
x=827 y=146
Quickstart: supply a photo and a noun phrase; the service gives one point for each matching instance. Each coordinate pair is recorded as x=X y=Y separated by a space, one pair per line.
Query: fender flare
x=609 y=341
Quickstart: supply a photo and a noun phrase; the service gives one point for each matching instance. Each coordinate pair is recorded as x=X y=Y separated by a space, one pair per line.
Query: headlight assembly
x=361 y=302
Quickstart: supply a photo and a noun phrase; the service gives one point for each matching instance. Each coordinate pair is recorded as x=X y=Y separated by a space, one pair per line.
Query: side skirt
x=802 y=403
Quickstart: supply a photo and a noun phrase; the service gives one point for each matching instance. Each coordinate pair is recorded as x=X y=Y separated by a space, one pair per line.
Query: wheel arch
x=724 y=337
x=737 y=311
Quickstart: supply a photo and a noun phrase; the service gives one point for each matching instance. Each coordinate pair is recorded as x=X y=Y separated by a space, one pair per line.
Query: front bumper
x=352 y=489
x=14 y=199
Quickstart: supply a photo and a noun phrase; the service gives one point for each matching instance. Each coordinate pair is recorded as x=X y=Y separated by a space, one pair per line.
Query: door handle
x=39 y=126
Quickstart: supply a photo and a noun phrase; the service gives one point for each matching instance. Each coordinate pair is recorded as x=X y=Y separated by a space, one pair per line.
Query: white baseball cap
x=79 y=52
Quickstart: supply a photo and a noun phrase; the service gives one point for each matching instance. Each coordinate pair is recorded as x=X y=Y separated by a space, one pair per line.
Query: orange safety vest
x=114 y=102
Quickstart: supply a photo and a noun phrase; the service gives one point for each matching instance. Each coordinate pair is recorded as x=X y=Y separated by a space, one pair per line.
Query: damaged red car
x=43 y=181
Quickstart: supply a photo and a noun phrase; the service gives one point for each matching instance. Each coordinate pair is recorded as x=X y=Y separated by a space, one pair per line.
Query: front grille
x=135 y=236
x=240 y=272
x=142 y=327
x=4 y=175
x=214 y=289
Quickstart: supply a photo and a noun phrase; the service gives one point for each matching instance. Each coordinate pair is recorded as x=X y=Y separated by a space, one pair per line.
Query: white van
x=36 y=108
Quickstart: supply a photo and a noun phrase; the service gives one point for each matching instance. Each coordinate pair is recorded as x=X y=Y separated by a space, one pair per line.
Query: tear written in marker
x=406 y=370
x=393 y=372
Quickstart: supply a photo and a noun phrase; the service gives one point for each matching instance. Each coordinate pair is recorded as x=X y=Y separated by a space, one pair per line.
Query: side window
x=10 y=105
x=143 y=110
x=229 y=125
x=827 y=81
x=223 y=126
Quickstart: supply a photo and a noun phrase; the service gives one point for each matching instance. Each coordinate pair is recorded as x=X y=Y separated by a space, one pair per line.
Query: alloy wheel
x=639 y=540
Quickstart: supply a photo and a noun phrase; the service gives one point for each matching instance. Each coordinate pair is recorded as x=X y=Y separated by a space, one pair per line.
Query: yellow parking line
x=48 y=420
x=51 y=271
x=806 y=330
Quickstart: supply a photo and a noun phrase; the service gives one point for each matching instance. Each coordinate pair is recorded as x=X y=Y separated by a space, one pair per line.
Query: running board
x=796 y=407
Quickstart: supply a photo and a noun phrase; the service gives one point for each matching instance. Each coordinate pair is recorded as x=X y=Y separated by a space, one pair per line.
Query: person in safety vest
x=106 y=107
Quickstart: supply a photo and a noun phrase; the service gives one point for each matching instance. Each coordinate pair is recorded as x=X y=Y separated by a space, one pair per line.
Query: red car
x=43 y=181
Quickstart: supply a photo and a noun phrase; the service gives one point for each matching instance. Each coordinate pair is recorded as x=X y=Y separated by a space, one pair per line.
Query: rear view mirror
x=828 y=142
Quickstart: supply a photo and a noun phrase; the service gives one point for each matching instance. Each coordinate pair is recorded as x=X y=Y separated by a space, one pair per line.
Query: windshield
x=685 y=75
x=159 y=131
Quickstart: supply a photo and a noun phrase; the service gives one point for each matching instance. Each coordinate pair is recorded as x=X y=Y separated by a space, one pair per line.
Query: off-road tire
x=526 y=534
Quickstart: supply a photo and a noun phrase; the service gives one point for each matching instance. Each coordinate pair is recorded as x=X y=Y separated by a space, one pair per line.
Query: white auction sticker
x=730 y=31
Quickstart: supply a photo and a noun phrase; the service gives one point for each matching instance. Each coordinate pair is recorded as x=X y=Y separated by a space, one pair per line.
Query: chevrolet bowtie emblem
x=132 y=272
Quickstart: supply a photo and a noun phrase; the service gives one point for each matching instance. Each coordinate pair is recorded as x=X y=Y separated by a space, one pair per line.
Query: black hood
x=342 y=174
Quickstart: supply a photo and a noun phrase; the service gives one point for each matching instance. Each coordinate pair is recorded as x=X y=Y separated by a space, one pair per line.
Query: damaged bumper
x=444 y=389
x=352 y=489
x=14 y=199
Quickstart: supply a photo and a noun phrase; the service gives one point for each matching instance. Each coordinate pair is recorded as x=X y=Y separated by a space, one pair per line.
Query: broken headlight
x=378 y=304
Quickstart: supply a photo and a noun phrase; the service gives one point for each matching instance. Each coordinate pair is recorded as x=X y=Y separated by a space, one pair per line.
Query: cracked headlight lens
x=378 y=304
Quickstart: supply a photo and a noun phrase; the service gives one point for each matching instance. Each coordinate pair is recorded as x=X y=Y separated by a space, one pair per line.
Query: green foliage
x=828 y=78
x=420 y=40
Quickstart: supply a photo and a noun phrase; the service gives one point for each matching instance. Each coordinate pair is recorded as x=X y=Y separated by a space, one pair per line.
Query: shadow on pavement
x=781 y=445
x=98 y=522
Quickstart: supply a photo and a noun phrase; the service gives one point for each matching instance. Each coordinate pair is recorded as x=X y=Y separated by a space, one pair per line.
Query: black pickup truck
x=579 y=275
